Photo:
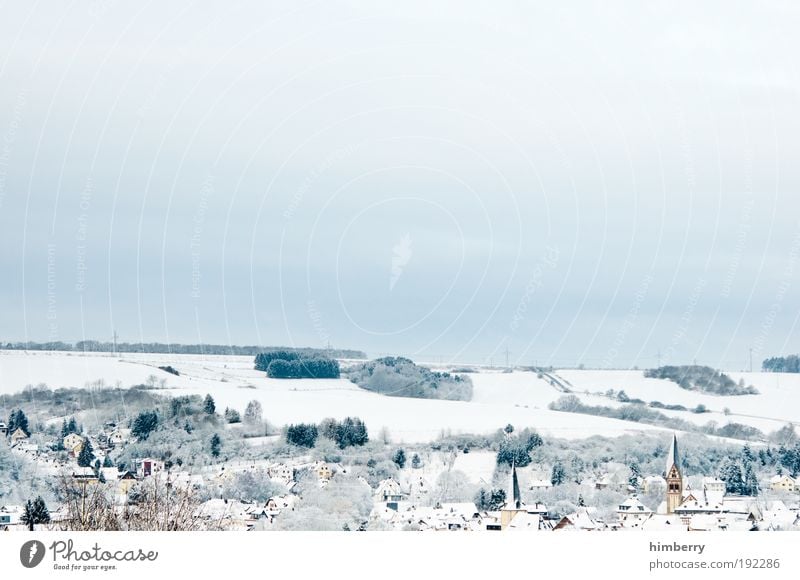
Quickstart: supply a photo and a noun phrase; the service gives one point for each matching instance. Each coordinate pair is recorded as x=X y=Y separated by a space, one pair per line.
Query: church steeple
x=513 y=503
x=513 y=497
x=674 y=477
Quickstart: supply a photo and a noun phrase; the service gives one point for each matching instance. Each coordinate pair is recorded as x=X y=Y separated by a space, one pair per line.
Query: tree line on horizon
x=175 y=348
x=782 y=364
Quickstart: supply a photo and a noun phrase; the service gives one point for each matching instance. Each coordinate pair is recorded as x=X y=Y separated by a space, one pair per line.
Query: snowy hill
x=520 y=398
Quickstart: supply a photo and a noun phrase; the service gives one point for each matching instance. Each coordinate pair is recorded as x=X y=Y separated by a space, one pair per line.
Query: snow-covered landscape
x=524 y=449
x=519 y=397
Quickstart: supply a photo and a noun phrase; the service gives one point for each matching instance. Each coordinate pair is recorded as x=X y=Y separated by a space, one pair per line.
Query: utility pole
x=116 y=336
x=507 y=352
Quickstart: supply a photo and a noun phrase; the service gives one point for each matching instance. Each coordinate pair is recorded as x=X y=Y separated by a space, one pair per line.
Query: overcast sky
x=588 y=185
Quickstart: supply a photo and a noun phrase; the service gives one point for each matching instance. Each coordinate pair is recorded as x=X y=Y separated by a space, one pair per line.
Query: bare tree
x=158 y=505
x=88 y=506
x=154 y=504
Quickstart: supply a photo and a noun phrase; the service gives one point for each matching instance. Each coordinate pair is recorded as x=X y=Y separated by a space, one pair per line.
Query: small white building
x=632 y=513
x=119 y=436
x=147 y=467
x=10 y=515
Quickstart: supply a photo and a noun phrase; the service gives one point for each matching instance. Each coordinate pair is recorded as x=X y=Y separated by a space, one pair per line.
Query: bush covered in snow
x=401 y=377
x=703 y=379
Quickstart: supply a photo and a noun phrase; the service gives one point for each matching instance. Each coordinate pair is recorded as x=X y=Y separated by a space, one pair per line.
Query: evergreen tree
x=497 y=499
x=18 y=420
x=416 y=462
x=490 y=501
x=144 y=424
x=350 y=433
x=35 y=512
x=635 y=476
x=399 y=458
x=576 y=467
x=517 y=450
x=216 y=445
x=731 y=474
x=302 y=435
x=232 y=416
x=86 y=456
x=558 y=474
x=107 y=462
x=581 y=502
x=509 y=428
x=209 y=407
x=481 y=500
x=750 y=484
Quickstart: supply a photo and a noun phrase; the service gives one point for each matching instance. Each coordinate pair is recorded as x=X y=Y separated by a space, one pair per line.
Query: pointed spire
x=673 y=457
x=513 y=497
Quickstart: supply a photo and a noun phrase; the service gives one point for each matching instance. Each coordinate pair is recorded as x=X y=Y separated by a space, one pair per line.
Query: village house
x=540 y=484
x=27 y=448
x=147 y=467
x=281 y=472
x=10 y=515
x=18 y=436
x=85 y=475
x=3 y=428
x=390 y=493
x=125 y=481
x=119 y=437
x=272 y=508
x=73 y=443
x=581 y=520
x=632 y=513
x=226 y=514
x=323 y=471
x=782 y=483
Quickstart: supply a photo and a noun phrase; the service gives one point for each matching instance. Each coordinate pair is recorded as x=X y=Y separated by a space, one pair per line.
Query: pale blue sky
x=593 y=184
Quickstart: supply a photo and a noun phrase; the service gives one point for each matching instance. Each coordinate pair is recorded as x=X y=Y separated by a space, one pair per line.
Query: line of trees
x=296 y=364
x=701 y=378
x=640 y=413
x=304 y=368
x=350 y=432
x=173 y=348
x=782 y=364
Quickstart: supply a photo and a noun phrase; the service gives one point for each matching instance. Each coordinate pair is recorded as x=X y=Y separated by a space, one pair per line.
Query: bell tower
x=674 y=477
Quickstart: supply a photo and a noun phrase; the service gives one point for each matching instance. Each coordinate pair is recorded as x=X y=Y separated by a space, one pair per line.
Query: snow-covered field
x=519 y=398
x=777 y=403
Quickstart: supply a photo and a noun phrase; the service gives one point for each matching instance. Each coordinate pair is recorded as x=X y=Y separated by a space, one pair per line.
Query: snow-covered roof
x=633 y=505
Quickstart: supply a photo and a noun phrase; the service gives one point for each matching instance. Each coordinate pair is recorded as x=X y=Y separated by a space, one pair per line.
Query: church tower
x=513 y=503
x=674 y=477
